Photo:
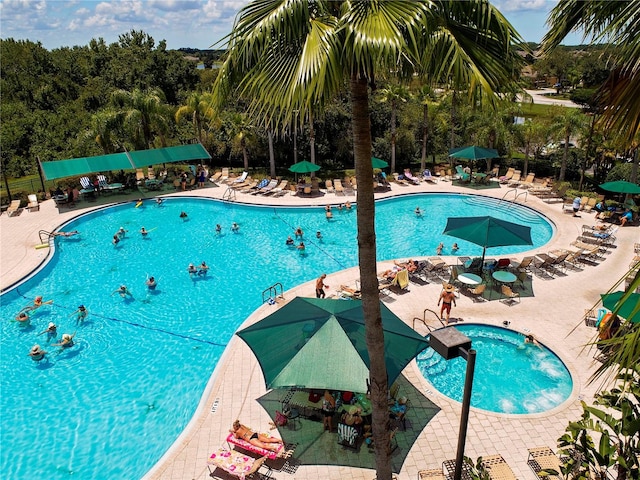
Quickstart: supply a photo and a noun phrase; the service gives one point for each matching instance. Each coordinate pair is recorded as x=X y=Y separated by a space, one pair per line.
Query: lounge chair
x=525 y=264
x=240 y=185
x=409 y=176
x=433 y=474
x=347 y=436
x=107 y=187
x=281 y=189
x=249 y=187
x=33 y=203
x=86 y=185
x=590 y=204
x=266 y=190
x=225 y=175
x=462 y=175
x=528 y=181
x=234 y=463
x=215 y=177
x=329 y=186
x=497 y=468
x=240 y=179
x=515 y=180
x=139 y=177
x=14 y=208
x=243 y=444
x=398 y=180
x=427 y=177
x=478 y=291
x=542 y=459
x=511 y=296
x=263 y=183
x=507 y=176
x=337 y=185
x=494 y=171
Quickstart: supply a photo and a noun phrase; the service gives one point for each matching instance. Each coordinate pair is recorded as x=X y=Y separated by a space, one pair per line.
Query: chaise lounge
x=234 y=463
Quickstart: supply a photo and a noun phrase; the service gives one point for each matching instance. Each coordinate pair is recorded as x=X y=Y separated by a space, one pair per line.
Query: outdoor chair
x=525 y=264
x=511 y=296
x=234 y=463
x=478 y=291
x=398 y=180
x=542 y=459
x=528 y=181
x=497 y=468
x=33 y=204
x=515 y=180
x=401 y=418
x=250 y=187
x=427 y=177
x=522 y=277
x=462 y=175
x=433 y=474
x=347 y=436
x=507 y=176
x=14 y=208
x=337 y=186
x=329 y=186
x=215 y=177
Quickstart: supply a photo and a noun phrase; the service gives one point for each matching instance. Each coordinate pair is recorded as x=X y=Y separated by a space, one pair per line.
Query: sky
x=182 y=23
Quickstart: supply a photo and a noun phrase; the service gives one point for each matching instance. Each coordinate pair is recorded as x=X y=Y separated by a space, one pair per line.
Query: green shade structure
x=378 y=163
x=488 y=232
x=629 y=309
x=621 y=186
x=304 y=167
x=473 y=153
x=320 y=343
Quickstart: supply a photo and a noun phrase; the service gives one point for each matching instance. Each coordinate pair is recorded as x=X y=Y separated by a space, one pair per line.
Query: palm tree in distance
x=393 y=94
x=198 y=107
x=287 y=57
x=567 y=122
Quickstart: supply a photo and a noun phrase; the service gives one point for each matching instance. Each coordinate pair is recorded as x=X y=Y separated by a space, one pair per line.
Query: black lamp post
x=451 y=343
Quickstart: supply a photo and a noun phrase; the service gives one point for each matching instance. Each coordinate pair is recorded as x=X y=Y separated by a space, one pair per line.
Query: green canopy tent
x=320 y=343
x=488 y=232
x=123 y=161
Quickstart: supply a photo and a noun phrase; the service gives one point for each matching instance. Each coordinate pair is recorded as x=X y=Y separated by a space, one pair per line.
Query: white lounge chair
x=33 y=203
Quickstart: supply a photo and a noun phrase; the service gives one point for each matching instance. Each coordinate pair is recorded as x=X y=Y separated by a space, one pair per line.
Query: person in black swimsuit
x=256 y=439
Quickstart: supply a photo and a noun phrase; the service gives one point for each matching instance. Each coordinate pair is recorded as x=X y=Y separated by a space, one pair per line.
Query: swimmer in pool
x=203 y=269
x=159 y=201
x=81 y=313
x=418 y=212
x=235 y=227
x=218 y=229
x=144 y=232
x=121 y=232
x=66 y=341
x=36 y=353
x=37 y=303
x=116 y=239
x=301 y=247
x=66 y=234
x=347 y=205
x=51 y=331
x=455 y=247
x=299 y=232
x=183 y=215
x=123 y=291
x=192 y=269
x=151 y=283
x=318 y=235
x=289 y=241
x=23 y=319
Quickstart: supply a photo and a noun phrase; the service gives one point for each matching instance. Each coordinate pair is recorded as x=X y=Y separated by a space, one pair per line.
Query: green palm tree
x=615 y=23
x=288 y=57
x=199 y=108
x=427 y=97
x=567 y=122
x=144 y=113
x=240 y=130
x=393 y=94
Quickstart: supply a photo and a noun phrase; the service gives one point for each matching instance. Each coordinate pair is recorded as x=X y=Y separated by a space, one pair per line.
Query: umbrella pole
x=484 y=250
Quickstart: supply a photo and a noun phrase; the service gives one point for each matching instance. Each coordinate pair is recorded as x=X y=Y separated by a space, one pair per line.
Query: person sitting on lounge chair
x=411 y=265
x=626 y=217
x=254 y=438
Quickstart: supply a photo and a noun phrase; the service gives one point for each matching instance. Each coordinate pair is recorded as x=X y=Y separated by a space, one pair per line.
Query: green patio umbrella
x=473 y=153
x=621 y=186
x=630 y=309
x=378 y=163
x=488 y=232
x=320 y=343
x=304 y=167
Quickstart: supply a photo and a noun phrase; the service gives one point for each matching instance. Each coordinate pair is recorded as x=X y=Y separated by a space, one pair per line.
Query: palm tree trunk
x=245 y=156
x=393 y=136
x=525 y=168
x=425 y=137
x=272 y=157
x=312 y=142
x=368 y=280
x=565 y=156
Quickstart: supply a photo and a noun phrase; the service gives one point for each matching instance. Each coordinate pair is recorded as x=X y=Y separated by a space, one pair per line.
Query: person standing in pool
x=36 y=353
x=151 y=283
x=81 y=313
x=37 y=303
x=66 y=341
x=144 y=232
x=218 y=229
x=51 y=331
x=289 y=241
x=235 y=228
x=23 y=319
x=299 y=233
x=123 y=291
x=184 y=216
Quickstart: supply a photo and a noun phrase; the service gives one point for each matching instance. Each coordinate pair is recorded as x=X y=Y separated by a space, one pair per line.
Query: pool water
x=510 y=376
x=113 y=404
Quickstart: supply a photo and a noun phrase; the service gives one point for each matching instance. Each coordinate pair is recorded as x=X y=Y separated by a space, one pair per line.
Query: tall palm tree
x=567 y=122
x=199 y=108
x=239 y=128
x=288 y=56
x=144 y=113
x=427 y=96
x=615 y=23
x=393 y=94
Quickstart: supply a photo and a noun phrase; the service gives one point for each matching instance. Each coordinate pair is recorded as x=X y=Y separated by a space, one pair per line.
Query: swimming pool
x=112 y=405
x=510 y=376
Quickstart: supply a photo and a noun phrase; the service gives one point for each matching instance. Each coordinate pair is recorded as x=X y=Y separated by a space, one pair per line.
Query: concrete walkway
x=552 y=315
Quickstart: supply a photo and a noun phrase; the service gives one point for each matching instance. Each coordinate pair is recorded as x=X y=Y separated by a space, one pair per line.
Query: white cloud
x=522 y=5
x=175 y=5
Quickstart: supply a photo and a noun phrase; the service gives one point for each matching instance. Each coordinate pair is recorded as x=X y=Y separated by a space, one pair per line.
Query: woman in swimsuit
x=256 y=439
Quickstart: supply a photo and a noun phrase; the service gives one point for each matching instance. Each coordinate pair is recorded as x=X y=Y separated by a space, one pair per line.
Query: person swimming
x=192 y=269
x=218 y=228
x=23 y=319
x=183 y=215
x=439 y=248
x=347 y=205
x=301 y=247
x=81 y=313
x=144 y=232
x=299 y=232
x=36 y=353
x=121 y=232
x=418 y=212
x=116 y=239
x=319 y=235
x=66 y=341
x=123 y=291
x=159 y=201
x=289 y=241
x=235 y=227
x=66 y=234
x=37 y=303
x=151 y=283
x=203 y=269
x=454 y=247
x=51 y=331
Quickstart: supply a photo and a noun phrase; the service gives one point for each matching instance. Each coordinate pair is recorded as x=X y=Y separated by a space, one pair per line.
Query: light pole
x=451 y=343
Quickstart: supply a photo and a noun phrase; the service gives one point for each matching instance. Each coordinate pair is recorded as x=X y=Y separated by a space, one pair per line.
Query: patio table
x=470 y=278
x=504 y=276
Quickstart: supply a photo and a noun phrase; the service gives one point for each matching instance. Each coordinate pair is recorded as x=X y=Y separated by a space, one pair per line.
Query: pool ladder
x=229 y=194
x=514 y=190
x=47 y=235
x=271 y=293
x=423 y=320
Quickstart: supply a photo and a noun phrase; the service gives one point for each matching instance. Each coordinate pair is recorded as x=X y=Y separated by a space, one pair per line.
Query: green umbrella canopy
x=488 y=231
x=473 y=153
x=378 y=163
x=320 y=343
x=621 y=186
x=630 y=309
x=304 y=167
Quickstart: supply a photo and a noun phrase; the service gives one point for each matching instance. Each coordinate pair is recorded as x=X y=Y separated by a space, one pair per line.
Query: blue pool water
x=510 y=377
x=111 y=406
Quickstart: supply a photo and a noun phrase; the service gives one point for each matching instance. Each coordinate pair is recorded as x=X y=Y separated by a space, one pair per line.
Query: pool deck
x=554 y=316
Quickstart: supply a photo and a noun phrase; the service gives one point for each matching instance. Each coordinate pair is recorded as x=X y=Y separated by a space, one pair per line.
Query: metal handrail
x=228 y=194
x=273 y=292
x=424 y=320
x=48 y=234
x=515 y=190
x=525 y=193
